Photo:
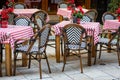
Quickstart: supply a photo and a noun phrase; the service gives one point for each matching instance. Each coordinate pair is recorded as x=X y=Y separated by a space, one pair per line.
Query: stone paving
x=105 y=69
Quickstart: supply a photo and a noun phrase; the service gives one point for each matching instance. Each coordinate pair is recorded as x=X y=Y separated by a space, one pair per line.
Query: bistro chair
x=93 y=14
x=108 y=16
x=63 y=4
x=37 y=51
x=75 y=42
x=104 y=42
x=40 y=23
x=22 y=21
x=86 y=18
x=19 y=5
x=43 y=15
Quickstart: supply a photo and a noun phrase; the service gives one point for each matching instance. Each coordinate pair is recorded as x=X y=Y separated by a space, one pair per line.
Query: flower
x=78 y=13
x=118 y=11
x=8 y=8
x=70 y=4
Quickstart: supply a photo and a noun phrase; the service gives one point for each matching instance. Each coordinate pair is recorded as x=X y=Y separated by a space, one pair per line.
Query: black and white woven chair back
x=43 y=36
x=86 y=18
x=22 y=21
x=108 y=16
x=62 y=4
x=73 y=33
x=40 y=23
x=93 y=14
x=19 y=6
x=42 y=14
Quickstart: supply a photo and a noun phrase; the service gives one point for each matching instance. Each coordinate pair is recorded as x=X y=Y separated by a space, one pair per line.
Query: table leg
x=24 y=60
x=24 y=57
x=57 y=41
x=109 y=46
x=8 y=59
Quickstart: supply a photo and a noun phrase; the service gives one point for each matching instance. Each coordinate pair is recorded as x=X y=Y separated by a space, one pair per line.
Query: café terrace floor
x=105 y=69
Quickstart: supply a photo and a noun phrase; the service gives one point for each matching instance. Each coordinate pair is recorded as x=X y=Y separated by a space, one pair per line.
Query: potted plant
x=113 y=5
x=8 y=8
x=77 y=14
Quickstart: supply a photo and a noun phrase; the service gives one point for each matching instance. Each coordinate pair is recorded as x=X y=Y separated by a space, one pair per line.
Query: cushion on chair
x=83 y=46
x=106 y=40
x=34 y=49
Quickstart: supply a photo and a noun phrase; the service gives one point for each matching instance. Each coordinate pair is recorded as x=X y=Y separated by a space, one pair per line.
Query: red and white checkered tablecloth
x=111 y=24
x=66 y=13
x=94 y=26
x=13 y=32
x=25 y=12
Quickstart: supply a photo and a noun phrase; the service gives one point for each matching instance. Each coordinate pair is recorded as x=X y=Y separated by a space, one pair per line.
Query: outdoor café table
x=94 y=26
x=111 y=24
x=67 y=13
x=23 y=12
x=9 y=36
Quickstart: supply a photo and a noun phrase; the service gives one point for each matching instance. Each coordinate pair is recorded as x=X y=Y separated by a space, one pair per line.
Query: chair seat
x=51 y=38
x=83 y=46
x=106 y=40
x=33 y=50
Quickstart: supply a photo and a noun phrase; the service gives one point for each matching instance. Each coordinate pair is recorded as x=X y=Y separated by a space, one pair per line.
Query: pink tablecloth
x=25 y=12
x=12 y=33
x=94 y=26
x=111 y=24
x=66 y=13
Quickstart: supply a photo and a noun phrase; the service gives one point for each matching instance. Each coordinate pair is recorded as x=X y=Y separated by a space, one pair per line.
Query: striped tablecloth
x=66 y=13
x=94 y=26
x=13 y=32
x=111 y=24
x=25 y=12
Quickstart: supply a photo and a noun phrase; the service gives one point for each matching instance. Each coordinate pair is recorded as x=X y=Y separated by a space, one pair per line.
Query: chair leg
x=14 y=70
x=95 y=55
x=29 y=63
x=47 y=63
x=81 y=67
x=64 y=59
x=61 y=46
x=40 y=70
x=100 y=51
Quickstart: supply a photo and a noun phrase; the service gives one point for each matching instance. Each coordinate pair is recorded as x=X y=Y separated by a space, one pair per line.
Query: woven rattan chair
x=114 y=42
x=86 y=18
x=20 y=5
x=22 y=21
x=108 y=16
x=74 y=42
x=38 y=51
x=63 y=4
x=93 y=14
x=42 y=14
